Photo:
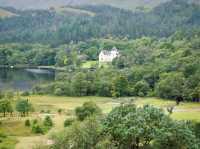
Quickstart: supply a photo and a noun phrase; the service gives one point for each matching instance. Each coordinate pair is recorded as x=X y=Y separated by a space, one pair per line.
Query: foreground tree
x=81 y=135
x=135 y=128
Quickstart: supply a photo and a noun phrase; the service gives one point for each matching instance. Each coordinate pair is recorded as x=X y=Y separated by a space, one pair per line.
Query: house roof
x=106 y=52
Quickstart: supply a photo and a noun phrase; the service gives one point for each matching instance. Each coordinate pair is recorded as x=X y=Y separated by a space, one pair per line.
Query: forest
x=55 y=26
x=148 y=97
x=166 y=68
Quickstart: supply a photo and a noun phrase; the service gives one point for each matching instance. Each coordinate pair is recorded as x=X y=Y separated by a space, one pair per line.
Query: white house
x=108 y=56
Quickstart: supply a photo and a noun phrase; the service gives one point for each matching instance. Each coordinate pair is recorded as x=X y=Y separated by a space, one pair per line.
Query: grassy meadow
x=21 y=137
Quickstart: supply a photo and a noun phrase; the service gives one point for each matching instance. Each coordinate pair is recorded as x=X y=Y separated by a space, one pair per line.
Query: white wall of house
x=108 y=56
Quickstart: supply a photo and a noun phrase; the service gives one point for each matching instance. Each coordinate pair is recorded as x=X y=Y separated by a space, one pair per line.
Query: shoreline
x=33 y=67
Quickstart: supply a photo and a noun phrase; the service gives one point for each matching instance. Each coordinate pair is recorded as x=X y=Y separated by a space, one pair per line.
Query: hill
x=82 y=23
x=41 y=4
x=72 y=10
x=5 y=13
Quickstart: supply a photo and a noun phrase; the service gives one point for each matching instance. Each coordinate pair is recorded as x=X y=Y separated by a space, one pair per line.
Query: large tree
x=145 y=127
x=171 y=85
x=23 y=106
x=5 y=106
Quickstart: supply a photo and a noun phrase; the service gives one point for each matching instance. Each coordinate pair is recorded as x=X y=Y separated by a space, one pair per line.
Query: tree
x=79 y=84
x=61 y=58
x=86 y=110
x=23 y=106
x=176 y=135
x=171 y=85
x=5 y=106
x=119 y=86
x=48 y=121
x=141 y=88
x=81 y=135
x=147 y=127
x=27 y=123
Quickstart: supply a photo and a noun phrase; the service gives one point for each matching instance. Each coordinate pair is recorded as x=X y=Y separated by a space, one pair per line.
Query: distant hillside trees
x=50 y=27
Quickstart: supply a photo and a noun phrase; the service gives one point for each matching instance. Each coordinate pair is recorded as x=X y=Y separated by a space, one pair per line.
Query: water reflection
x=24 y=79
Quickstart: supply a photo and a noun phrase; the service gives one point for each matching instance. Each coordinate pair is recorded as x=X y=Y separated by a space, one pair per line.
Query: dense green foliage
x=23 y=106
x=48 y=122
x=88 y=109
x=166 y=68
x=128 y=127
x=164 y=64
x=49 y=26
x=5 y=106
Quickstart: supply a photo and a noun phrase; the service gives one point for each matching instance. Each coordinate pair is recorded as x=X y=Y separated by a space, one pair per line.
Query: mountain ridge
x=45 y=4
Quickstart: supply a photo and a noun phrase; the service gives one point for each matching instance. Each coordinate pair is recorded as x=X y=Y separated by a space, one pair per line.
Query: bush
x=42 y=111
x=197 y=130
x=48 y=121
x=37 y=129
x=58 y=92
x=68 y=122
x=60 y=111
x=2 y=135
x=48 y=111
x=88 y=109
x=141 y=88
x=35 y=121
x=10 y=94
x=27 y=123
x=25 y=93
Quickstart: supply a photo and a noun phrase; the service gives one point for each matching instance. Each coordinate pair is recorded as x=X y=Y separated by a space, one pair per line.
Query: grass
x=185 y=111
x=14 y=128
x=89 y=64
x=70 y=103
x=188 y=115
x=154 y=101
x=8 y=143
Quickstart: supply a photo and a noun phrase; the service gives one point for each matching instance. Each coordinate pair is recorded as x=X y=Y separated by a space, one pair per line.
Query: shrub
x=88 y=109
x=25 y=93
x=2 y=135
x=37 y=129
x=141 y=88
x=48 y=121
x=42 y=111
x=60 y=111
x=10 y=94
x=35 y=121
x=27 y=123
x=48 y=111
x=68 y=122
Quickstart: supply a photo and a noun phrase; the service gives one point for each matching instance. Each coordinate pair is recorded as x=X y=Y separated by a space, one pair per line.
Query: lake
x=24 y=79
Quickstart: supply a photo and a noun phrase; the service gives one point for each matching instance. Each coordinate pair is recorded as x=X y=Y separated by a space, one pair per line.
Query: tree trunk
x=137 y=143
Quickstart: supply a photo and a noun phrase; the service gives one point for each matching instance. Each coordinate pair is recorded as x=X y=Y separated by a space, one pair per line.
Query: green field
x=19 y=134
x=89 y=64
x=185 y=111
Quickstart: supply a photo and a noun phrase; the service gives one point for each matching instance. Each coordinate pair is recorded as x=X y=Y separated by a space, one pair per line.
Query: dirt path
x=31 y=141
